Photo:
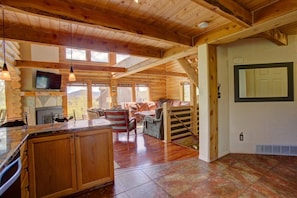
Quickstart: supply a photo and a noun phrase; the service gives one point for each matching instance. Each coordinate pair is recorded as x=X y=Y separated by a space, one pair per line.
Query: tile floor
x=235 y=175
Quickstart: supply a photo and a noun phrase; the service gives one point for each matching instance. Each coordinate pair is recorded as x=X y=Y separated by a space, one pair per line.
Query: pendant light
x=4 y=73
x=71 y=73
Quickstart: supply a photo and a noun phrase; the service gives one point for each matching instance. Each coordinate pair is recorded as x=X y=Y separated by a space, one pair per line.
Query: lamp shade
x=5 y=74
x=71 y=75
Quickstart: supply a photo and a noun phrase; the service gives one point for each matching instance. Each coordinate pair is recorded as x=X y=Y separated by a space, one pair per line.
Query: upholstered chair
x=153 y=125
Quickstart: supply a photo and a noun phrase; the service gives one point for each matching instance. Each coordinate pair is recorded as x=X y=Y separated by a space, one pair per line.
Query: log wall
x=13 y=87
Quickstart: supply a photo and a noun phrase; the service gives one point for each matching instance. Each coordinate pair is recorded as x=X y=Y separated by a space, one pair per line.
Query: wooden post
x=113 y=92
x=213 y=102
x=208 y=103
x=194 y=106
x=166 y=123
x=89 y=94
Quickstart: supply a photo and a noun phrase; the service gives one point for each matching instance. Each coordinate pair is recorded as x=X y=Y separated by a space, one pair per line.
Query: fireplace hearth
x=44 y=115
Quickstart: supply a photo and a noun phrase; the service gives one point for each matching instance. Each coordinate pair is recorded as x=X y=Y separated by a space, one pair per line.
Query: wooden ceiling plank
x=27 y=33
x=229 y=9
x=276 y=36
x=49 y=65
x=190 y=71
x=67 y=11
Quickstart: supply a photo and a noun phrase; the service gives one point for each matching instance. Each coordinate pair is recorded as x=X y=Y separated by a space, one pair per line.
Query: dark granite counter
x=12 y=138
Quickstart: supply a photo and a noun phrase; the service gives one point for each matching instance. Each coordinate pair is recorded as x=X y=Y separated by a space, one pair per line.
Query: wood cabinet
x=63 y=164
x=24 y=172
x=94 y=158
x=52 y=166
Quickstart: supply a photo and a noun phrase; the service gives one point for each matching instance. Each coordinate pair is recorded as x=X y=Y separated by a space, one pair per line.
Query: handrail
x=188 y=129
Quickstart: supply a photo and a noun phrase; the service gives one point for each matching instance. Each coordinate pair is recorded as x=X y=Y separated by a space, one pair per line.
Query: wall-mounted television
x=47 y=80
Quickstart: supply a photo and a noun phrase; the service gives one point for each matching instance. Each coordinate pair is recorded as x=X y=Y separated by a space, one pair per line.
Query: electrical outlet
x=241 y=136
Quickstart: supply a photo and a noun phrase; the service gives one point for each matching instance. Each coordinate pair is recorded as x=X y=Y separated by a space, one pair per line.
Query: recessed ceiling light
x=136 y=1
x=203 y=24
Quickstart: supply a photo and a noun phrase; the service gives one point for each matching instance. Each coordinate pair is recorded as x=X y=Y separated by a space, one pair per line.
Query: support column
x=208 y=103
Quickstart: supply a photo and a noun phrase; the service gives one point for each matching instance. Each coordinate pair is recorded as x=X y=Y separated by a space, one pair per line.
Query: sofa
x=172 y=102
x=94 y=113
x=135 y=107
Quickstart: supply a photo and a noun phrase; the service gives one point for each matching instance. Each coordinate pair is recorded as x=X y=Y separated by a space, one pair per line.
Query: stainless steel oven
x=10 y=183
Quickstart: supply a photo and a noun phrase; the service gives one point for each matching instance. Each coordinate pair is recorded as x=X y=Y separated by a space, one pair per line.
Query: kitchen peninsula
x=60 y=158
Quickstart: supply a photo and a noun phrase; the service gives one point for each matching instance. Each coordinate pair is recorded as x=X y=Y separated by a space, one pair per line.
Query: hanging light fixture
x=71 y=73
x=4 y=73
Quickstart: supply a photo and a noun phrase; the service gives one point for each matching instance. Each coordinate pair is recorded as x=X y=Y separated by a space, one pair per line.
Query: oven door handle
x=11 y=180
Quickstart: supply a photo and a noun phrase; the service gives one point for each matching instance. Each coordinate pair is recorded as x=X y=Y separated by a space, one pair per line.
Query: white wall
x=44 y=53
x=261 y=122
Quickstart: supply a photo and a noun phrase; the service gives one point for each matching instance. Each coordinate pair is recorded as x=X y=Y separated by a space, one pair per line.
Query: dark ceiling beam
x=279 y=8
x=259 y=27
x=245 y=23
x=163 y=73
x=49 y=65
x=27 y=33
x=97 y=17
x=229 y=9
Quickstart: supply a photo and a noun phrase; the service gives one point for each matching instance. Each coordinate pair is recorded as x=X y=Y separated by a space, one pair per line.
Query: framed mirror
x=264 y=82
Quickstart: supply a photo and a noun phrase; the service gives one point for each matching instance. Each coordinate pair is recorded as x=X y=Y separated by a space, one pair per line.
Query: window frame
x=88 y=56
x=183 y=90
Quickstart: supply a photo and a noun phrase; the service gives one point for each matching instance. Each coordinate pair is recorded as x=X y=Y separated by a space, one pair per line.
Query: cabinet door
x=94 y=158
x=51 y=166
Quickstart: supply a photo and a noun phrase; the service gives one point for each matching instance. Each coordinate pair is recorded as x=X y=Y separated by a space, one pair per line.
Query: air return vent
x=276 y=150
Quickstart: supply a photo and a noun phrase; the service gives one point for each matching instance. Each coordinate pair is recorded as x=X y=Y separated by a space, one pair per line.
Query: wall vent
x=276 y=150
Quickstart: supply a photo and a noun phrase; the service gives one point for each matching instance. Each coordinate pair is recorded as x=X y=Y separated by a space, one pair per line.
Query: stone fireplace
x=44 y=115
x=40 y=108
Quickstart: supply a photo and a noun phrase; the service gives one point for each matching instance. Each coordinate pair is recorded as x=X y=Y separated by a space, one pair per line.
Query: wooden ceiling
x=159 y=30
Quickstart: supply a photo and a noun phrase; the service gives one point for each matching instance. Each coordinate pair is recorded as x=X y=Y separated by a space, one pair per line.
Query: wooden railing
x=179 y=122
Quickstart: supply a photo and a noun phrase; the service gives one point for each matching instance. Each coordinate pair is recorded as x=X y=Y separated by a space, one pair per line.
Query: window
x=2 y=101
x=142 y=93
x=77 y=100
x=186 y=87
x=2 y=95
x=100 y=96
x=77 y=54
x=124 y=93
x=99 y=57
x=121 y=57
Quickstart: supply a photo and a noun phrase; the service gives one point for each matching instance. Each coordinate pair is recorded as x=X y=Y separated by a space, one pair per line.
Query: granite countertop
x=12 y=138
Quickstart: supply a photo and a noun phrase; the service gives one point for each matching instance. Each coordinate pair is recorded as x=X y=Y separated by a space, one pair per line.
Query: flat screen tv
x=47 y=80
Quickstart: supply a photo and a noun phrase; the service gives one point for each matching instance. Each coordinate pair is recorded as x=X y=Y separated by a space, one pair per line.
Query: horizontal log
x=49 y=65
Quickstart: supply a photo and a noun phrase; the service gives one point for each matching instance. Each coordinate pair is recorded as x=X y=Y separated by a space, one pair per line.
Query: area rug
x=116 y=165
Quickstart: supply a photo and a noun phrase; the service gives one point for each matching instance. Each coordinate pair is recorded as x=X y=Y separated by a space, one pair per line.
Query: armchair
x=153 y=126
x=121 y=121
